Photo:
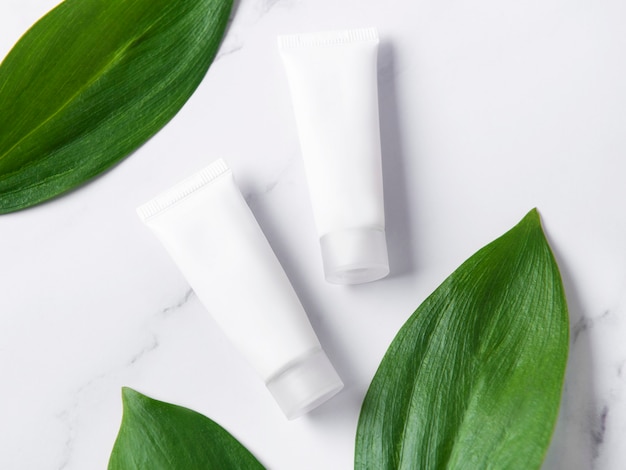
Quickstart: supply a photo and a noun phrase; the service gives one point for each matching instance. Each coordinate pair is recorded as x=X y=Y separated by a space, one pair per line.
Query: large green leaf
x=93 y=80
x=160 y=436
x=473 y=379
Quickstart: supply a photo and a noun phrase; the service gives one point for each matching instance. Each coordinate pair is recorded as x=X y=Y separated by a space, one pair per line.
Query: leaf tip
x=128 y=392
x=532 y=221
x=533 y=215
x=130 y=396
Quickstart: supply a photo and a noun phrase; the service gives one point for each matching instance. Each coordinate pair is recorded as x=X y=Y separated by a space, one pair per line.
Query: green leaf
x=93 y=80
x=473 y=379
x=160 y=436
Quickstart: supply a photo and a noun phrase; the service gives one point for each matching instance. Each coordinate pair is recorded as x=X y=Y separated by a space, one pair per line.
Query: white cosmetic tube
x=334 y=89
x=211 y=234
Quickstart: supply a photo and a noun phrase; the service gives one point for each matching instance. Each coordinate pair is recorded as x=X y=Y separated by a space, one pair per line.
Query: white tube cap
x=305 y=385
x=355 y=256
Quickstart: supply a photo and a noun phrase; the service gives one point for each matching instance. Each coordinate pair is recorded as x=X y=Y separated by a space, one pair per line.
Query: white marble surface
x=488 y=108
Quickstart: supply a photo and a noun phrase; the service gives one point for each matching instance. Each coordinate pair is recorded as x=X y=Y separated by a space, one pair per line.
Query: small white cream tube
x=212 y=235
x=334 y=89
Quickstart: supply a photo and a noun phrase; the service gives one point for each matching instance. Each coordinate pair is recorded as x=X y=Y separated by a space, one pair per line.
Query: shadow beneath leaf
x=572 y=446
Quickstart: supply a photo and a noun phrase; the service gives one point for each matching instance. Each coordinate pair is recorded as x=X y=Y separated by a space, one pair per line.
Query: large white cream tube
x=333 y=81
x=211 y=234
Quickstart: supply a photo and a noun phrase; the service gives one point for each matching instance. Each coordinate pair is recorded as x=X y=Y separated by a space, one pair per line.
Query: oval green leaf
x=160 y=436
x=93 y=80
x=473 y=379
